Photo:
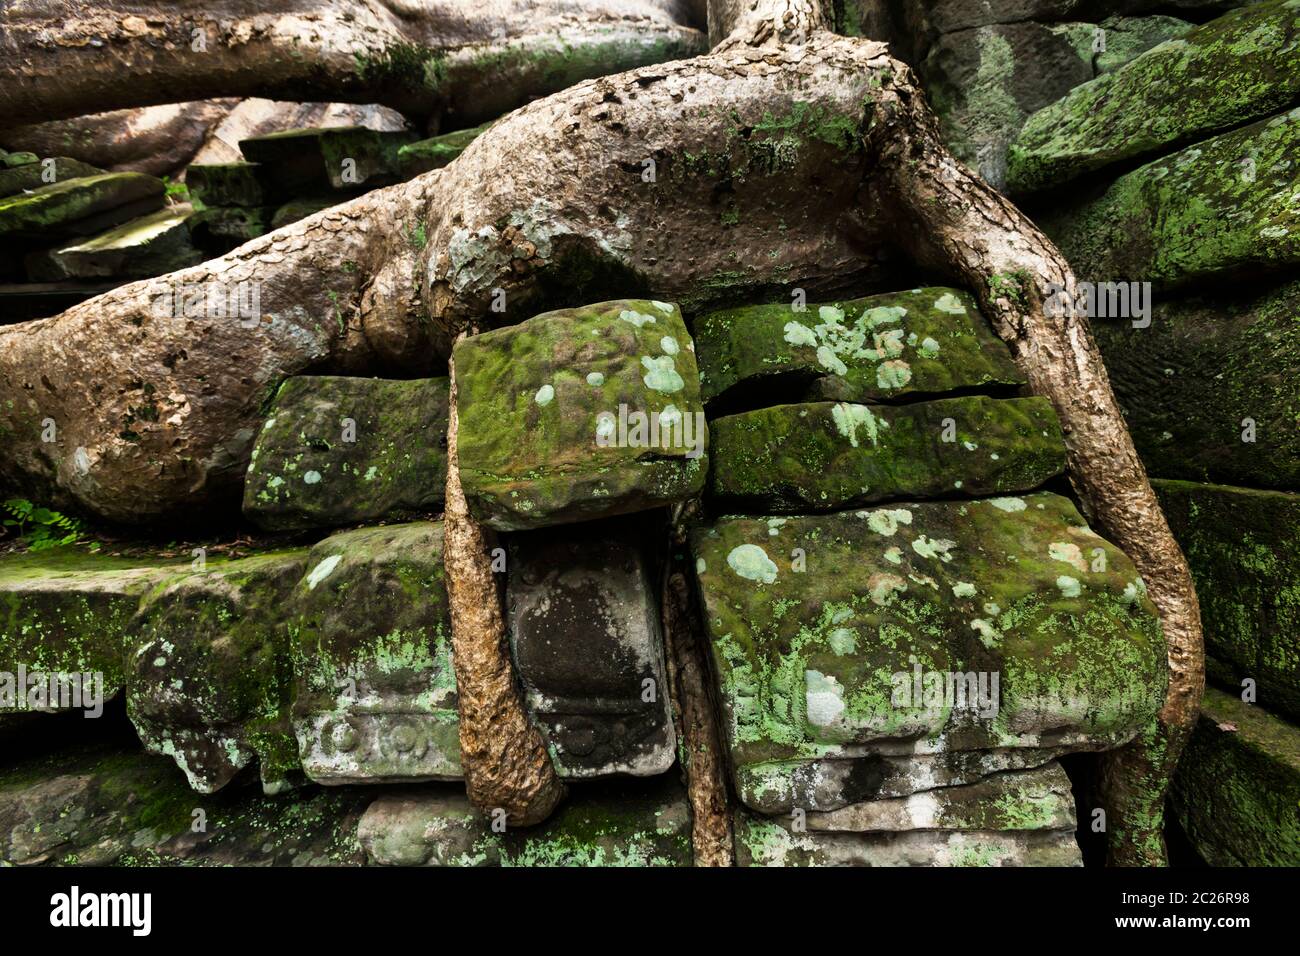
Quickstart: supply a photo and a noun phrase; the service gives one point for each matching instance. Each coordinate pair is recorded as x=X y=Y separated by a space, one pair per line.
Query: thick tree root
x=503 y=756
x=706 y=783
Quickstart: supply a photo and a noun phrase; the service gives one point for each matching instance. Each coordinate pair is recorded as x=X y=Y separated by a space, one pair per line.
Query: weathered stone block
x=1238 y=785
x=1237 y=68
x=68 y=612
x=151 y=245
x=1247 y=348
x=301 y=161
x=36 y=174
x=927 y=341
x=1225 y=205
x=850 y=635
x=435 y=152
x=79 y=207
x=339 y=450
x=105 y=806
x=374 y=688
x=588 y=647
x=556 y=415
x=821 y=456
x=1243 y=546
x=609 y=824
x=228 y=184
x=209 y=675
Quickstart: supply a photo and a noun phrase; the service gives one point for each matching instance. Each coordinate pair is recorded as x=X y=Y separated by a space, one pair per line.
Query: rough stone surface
x=1227 y=205
x=1245 y=348
x=35 y=175
x=374 y=689
x=610 y=824
x=1237 y=68
x=70 y=612
x=338 y=450
x=823 y=627
x=588 y=647
x=1243 y=546
x=99 y=806
x=315 y=160
x=79 y=207
x=209 y=676
x=151 y=245
x=927 y=341
x=539 y=404
x=1238 y=785
x=435 y=152
x=228 y=184
x=823 y=456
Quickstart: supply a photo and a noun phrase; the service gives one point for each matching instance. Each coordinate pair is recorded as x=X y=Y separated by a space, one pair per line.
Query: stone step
x=823 y=456
x=1243 y=547
x=1238 y=785
x=79 y=207
x=32 y=176
x=843 y=637
x=336 y=450
x=881 y=348
x=149 y=246
x=345 y=158
x=556 y=415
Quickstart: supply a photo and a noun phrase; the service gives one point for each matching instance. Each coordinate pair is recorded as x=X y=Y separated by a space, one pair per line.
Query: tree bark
x=63 y=58
x=503 y=756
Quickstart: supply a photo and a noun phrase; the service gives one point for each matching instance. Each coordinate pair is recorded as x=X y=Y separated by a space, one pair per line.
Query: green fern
x=42 y=528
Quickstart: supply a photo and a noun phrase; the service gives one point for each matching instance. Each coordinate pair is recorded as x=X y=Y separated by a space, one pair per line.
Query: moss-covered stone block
x=151 y=245
x=437 y=151
x=228 y=184
x=823 y=456
x=69 y=612
x=1227 y=205
x=580 y=414
x=336 y=450
x=610 y=824
x=922 y=342
x=106 y=806
x=299 y=161
x=1234 y=69
x=218 y=229
x=1243 y=546
x=847 y=635
x=1245 y=348
x=1237 y=788
x=79 y=207
x=209 y=673
x=374 y=688
x=37 y=174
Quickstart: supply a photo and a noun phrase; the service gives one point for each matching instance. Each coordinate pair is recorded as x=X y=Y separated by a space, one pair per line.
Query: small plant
x=42 y=528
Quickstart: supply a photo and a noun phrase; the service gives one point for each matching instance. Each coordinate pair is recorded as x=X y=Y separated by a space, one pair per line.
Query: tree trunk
x=467 y=59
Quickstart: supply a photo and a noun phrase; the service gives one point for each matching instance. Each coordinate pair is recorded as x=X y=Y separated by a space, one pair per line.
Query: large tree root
x=804 y=148
x=416 y=57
